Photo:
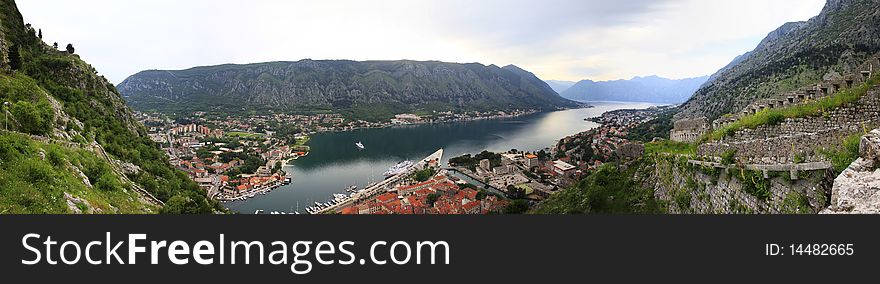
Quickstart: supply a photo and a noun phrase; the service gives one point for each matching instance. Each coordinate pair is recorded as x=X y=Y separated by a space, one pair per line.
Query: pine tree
x=40 y=34
x=55 y=45
x=14 y=57
x=70 y=48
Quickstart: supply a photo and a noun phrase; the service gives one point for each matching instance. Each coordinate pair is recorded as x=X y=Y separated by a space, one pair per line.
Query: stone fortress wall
x=689 y=130
x=799 y=178
x=797 y=140
x=794 y=140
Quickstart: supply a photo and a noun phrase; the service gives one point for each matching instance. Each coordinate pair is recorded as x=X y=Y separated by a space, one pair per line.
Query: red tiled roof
x=470 y=205
x=350 y=211
x=386 y=197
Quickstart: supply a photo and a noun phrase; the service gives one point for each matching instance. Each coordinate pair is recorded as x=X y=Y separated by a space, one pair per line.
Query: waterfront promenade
x=384 y=185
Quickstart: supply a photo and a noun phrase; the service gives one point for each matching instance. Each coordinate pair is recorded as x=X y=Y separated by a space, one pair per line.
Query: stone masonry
x=689 y=130
x=798 y=140
x=857 y=189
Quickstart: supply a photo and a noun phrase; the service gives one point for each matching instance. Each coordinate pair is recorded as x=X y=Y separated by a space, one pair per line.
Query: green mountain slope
x=342 y=86
x=73 y=140
x=840 y=38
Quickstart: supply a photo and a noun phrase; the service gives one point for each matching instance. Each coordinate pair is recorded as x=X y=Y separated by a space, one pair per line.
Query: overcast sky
x=555 y=39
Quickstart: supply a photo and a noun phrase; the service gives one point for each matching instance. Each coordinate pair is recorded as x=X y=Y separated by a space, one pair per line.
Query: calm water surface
x=335 y=163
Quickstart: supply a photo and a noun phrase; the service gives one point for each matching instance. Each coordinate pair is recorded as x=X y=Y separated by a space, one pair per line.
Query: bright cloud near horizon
x=555 y=39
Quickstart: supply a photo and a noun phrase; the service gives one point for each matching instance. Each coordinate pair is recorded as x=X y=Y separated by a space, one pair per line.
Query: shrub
x=33 y=119
x=844 y=155
x=728 y=157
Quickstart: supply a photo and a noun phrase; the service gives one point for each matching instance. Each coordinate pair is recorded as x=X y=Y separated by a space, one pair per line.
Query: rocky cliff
x=337 y=85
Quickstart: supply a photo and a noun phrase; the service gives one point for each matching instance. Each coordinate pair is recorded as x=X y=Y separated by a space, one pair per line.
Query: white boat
x=398 y=169
x=360 y=145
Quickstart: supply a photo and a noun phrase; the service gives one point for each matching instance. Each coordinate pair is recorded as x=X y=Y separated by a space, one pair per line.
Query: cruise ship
x=397 y=169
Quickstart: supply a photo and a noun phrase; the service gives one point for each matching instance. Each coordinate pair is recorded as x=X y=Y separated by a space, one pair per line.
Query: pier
x=383 y=186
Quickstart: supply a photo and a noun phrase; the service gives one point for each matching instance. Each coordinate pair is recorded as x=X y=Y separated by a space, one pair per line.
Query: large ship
x=397 y=169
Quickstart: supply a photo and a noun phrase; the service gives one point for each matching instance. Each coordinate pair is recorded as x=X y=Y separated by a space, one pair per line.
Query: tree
x=515 y=192
x=424 y=175
x=33 y=119
x=70 y=48
x=517 y=207
x=55 y=45
x=432 y=198
x=40 y=34
x=14 y=57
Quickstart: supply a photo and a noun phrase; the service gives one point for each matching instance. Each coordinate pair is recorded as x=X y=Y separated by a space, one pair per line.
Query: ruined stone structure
x=689 y=130
x=788 y=155
x=857 y=189
x=806 y=94
x=690 y=189
x=797 y=140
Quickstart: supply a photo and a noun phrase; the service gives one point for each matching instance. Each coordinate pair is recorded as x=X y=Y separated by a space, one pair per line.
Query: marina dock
x=383 y=186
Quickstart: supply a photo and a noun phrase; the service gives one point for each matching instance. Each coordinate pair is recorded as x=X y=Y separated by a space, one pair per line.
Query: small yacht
x=360 y=145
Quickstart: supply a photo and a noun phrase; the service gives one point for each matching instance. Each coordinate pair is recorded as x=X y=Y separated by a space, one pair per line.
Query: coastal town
x=227 y=162
x=237 y=158
x=283 y=123
x=495 y=182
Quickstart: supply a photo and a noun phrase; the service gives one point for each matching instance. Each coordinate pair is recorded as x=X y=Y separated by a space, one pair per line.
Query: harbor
x=335 y=162
x=382 y=186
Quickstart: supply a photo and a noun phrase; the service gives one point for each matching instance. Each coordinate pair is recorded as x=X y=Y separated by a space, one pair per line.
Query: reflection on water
x=336 y=163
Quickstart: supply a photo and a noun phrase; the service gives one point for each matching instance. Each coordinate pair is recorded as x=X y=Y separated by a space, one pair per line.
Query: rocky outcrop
x=857 y=189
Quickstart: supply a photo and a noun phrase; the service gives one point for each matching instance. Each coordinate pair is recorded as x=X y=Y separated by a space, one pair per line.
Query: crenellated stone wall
x=799 y=138
x=832 y=84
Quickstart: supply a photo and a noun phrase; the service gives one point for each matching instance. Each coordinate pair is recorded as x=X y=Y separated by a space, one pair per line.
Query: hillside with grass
x=72 y=145
x=608 y=190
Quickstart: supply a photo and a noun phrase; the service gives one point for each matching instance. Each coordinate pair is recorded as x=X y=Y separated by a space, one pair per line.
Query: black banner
x=517 y=249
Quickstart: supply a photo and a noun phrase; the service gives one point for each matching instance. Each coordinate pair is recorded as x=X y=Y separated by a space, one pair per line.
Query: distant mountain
x=651 y=89
x=560 y=86
x=796 y=54
x=369 y=89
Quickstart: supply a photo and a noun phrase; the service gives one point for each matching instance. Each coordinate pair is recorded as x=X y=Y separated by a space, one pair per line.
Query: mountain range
x=382 y=88
x=560 y=86
x=840 y=38
x=651 y=89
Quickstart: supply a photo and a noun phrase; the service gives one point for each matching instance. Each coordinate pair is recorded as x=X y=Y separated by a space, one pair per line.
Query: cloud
x=556 y=39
